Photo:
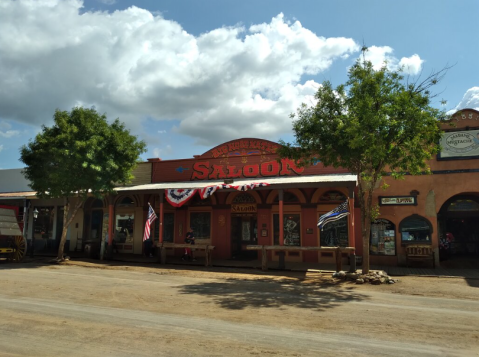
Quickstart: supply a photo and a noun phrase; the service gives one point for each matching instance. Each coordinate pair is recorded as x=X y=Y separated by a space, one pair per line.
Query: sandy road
x=78 y=311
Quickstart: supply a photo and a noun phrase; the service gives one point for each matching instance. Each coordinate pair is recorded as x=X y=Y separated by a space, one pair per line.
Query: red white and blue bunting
x=179 y=197
x=249 y=186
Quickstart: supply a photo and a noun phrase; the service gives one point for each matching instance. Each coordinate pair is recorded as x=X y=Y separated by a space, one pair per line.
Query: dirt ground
x=445 y=287
x=200 y=311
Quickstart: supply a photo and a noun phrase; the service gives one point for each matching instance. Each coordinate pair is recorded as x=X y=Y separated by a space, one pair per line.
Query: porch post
x=160 y=218
x=111 y=221
x=351 y=233
x=281 y=229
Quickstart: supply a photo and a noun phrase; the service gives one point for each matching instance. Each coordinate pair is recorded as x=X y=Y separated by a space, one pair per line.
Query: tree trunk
x=66 y=224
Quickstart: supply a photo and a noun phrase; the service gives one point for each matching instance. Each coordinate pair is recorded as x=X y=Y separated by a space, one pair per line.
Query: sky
x=187 y=75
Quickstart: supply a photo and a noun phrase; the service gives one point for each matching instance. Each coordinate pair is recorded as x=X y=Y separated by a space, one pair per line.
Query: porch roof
x=348 y=180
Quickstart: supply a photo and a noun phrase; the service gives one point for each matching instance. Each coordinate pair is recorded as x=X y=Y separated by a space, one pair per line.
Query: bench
x=206 y=247
x=420 y=252
x=337 y=251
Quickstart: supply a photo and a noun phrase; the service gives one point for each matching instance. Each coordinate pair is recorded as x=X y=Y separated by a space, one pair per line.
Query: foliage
x=375 y=124
x=80 y=155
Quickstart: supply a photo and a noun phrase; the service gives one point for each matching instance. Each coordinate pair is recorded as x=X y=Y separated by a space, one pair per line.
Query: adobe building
x=441 y=209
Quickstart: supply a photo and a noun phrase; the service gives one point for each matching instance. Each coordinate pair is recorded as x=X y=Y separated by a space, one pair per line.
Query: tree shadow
x=238 y=294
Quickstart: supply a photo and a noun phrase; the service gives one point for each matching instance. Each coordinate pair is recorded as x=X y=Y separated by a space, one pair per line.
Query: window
x=43 y=224
x=335 y=234
x=168 y=227
x=201 y=224
x=124 y=228
x=383 y=238
x=415 y=229
x=291 y=229
x=288 y=197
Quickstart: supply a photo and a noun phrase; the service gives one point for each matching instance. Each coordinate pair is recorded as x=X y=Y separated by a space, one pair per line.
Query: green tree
x=81 y=155
x=375 y=123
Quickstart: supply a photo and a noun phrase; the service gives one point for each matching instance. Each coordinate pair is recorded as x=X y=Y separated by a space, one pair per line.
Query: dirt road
x=85 y=309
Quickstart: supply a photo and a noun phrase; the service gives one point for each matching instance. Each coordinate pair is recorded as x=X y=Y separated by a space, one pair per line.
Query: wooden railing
x=337 y=251
x=207 y=248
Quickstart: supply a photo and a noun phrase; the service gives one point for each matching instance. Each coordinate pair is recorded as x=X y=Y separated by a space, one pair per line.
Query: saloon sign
x=204 y=170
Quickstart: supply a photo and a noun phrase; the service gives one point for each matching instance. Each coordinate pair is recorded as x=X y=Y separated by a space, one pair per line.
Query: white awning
x=289 y=181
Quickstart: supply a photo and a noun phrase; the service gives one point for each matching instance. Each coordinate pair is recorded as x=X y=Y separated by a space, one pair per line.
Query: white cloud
x=159 y=152
x=161 y=131
x=381 y=55
x=9 y=133
x=132 y=64
x=107 y=2
x=470 y=100
x=1 y=148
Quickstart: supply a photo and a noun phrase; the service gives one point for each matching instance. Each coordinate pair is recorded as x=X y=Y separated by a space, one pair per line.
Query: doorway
x=459 y=232
x=244 y=231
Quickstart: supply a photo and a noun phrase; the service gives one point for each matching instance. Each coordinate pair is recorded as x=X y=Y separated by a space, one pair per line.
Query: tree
x=81 y=155
x=374 y=123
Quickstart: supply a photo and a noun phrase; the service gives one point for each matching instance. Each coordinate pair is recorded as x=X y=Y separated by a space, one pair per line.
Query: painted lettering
x=218 y=172
x=200 y=170
x=288 y=165
x=270 y=168
x=233 y=172
x=251 y=170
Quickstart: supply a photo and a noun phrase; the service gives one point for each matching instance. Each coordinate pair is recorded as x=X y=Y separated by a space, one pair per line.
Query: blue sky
x=188 y=75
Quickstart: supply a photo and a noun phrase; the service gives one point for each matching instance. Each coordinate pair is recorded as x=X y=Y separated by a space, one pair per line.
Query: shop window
x=168 y=227
x=196 y=201
x=291 y=229
x=201 y=224
x=414 y=229
x=126 y=202
x=335 y=234
x=333 y=196
x=124 y=225
x=244 y=198
x=288 y=197
x=383 y=238
x=43 y=224
x=463 y=205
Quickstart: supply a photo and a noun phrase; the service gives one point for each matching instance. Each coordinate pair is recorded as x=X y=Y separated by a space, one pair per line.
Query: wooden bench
x=337 y=251
x=420 y=252
x=206 y=247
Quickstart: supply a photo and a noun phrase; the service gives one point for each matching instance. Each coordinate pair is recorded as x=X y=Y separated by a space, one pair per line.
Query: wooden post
x=161 y=218
x=281 y=229
x=207 y=258
x=338 y=259
x=111 y=222
x=163 y=254
x=264 y=258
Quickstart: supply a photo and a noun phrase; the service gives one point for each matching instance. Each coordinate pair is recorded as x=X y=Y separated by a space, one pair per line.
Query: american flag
x=149 y=220
x=337 y=213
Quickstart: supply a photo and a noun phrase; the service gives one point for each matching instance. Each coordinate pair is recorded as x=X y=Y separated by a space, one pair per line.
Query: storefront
x=240 y=193
x=441 y=209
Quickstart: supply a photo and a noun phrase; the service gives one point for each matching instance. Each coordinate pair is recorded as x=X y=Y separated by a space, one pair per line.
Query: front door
x=243 y=233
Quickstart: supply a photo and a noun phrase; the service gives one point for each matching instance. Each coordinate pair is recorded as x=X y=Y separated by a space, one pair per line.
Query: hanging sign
x=397 y=200
x=243 y=208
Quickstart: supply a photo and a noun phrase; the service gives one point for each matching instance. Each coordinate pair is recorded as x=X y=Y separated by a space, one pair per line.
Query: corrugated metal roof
x=276 y=181
x=15 y=195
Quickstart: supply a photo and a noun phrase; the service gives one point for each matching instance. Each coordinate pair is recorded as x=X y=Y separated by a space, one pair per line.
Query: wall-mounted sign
x=459 y=144
x=397 y=200
x=243 y=208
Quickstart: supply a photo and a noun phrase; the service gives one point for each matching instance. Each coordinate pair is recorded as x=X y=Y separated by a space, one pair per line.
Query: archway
x=459 y=232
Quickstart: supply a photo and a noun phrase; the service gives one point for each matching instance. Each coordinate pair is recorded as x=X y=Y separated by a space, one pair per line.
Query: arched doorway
x=459 y=232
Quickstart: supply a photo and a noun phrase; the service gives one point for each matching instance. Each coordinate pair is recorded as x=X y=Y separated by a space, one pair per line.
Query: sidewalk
x=326 y=268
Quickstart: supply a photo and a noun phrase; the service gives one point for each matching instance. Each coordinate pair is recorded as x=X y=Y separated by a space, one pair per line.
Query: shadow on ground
x=238 y=294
